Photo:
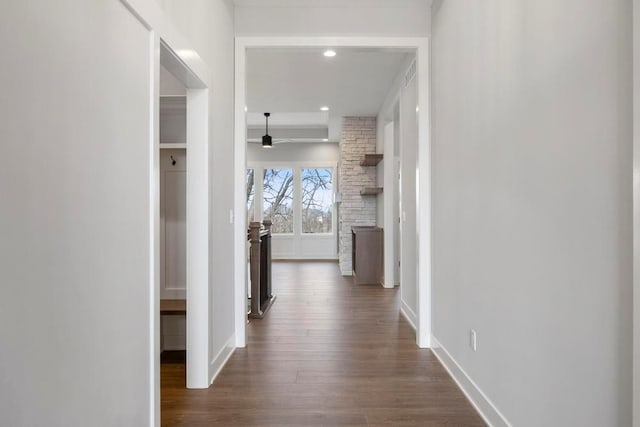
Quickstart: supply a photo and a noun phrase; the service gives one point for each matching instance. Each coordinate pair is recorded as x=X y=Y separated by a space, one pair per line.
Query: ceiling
x=294 y=83
x=331 y=3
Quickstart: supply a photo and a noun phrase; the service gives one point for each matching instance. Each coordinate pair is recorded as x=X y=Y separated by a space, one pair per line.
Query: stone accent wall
x=357 y=139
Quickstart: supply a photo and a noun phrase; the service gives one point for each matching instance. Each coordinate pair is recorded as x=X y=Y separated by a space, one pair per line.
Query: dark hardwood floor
x=329 y=353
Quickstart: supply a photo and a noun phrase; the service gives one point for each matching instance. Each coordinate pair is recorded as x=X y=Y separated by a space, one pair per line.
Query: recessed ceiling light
x=325 y=108
x=325 y=140
x=329 y=53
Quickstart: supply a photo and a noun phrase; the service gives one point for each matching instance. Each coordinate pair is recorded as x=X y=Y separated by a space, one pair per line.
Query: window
x=317 y=200
x=278 y=199
x=251 y=193
x=297 y=200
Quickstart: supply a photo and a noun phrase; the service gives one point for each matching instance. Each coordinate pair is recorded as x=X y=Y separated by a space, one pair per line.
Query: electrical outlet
x=473 y=340
x=230 y=216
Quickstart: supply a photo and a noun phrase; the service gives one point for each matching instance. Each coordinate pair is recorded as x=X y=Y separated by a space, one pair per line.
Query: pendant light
x=267 y=141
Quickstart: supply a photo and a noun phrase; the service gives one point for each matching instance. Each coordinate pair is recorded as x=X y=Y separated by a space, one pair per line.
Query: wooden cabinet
x=366 y=256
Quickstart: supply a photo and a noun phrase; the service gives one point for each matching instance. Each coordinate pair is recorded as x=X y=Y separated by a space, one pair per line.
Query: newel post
x=267 y=225
x=254 y=261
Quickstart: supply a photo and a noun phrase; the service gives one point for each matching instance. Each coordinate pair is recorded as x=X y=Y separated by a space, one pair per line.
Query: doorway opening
x=173 y=222
x=416 y=207
x=183 y=219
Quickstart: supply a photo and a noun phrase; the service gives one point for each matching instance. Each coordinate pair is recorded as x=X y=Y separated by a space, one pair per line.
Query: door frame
x=423 y=180
x=182 y=60
x=197 y=262
x=390 y=255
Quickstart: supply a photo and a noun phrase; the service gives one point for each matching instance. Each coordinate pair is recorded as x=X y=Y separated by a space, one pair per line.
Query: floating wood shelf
x=370 y=191
x=173 y=306
x=371 y=159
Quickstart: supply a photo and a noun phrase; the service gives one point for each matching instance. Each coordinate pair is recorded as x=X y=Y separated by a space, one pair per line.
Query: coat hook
x=173 y=161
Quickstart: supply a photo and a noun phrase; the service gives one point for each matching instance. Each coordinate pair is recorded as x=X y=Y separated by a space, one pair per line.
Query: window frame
x=296 y=167
x=333 y=198
x=255 y=191
x=293 y=198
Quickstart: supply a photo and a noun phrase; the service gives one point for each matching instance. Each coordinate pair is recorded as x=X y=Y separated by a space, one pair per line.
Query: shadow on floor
x=173 y=357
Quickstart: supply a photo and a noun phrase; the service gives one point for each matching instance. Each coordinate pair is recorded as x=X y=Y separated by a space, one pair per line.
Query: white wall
x=209 y=26
x=173 y=119
x=335 y=17
x=72 y=255
x=387 y=176
x=532 y=124
x=307 y=152
x=169 y=85
x=295 y=156
x=74 y=252
x=385 y=115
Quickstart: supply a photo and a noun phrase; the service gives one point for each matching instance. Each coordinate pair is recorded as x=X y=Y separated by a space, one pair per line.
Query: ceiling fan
x=267 y=140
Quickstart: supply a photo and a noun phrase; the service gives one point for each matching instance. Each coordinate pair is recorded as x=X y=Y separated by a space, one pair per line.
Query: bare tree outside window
x=278 y=199
x=251 y=192
x=317 y=200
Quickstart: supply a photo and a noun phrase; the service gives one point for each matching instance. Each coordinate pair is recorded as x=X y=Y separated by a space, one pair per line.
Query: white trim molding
x=423 y=198
x=239 y=201
x=408 y=314
x=220 y=360
x=485 y=407
x=198 y=292
x=420 y=45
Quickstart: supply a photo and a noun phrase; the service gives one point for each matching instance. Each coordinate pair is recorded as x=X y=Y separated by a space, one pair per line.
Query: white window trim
x=258 y=203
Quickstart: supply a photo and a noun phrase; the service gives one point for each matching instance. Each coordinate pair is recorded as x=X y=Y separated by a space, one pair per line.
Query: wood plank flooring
x=329 y=353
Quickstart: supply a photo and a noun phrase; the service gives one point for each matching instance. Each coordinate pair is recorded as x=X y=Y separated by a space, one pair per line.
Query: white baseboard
x=221 y=359
x=387 y=286
x=408 y=314
x=487 y=410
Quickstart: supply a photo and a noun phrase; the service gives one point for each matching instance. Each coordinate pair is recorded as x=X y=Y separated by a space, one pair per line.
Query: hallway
x=328 y=354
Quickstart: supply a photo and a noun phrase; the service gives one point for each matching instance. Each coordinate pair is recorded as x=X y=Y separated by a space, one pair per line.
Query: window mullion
x=258 y=204
x=297 y=202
